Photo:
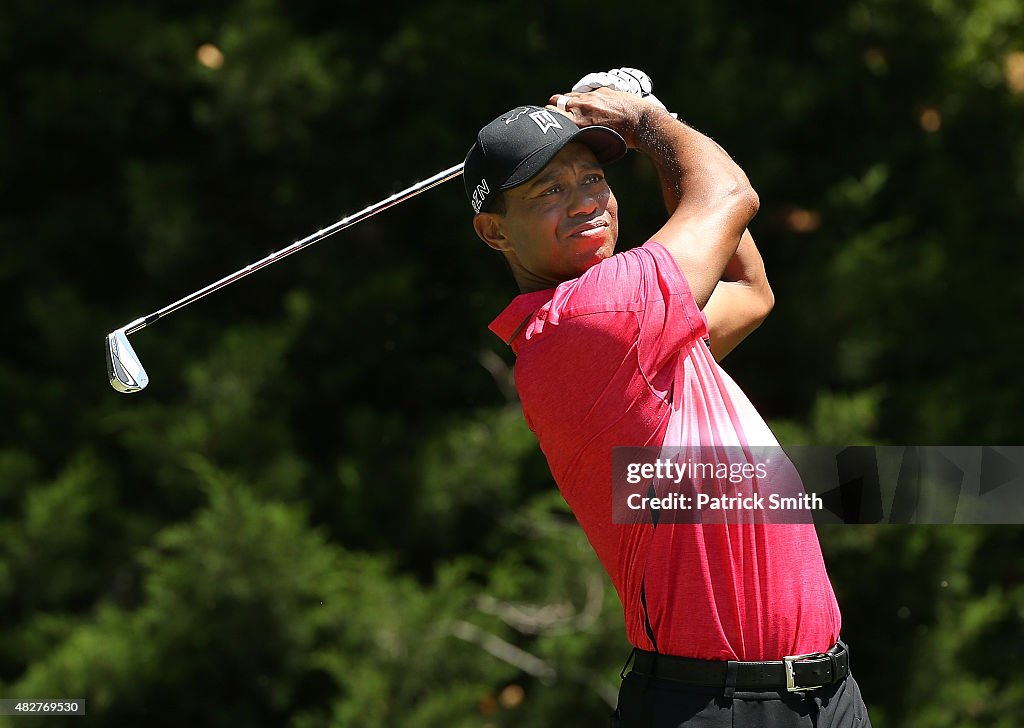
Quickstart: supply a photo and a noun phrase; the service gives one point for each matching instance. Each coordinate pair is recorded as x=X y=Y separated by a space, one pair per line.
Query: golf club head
x=123 y=366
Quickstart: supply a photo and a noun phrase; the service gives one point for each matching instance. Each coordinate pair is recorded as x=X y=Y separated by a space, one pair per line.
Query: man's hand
x=622 y=111
x=630 y=80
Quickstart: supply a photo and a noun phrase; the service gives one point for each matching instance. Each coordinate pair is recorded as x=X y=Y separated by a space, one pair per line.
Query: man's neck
x=529 y=282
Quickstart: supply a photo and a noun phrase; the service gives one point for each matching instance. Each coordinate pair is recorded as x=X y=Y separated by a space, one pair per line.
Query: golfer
x=733 y=624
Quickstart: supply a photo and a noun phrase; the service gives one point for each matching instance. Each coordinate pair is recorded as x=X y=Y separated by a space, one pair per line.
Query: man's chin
x=605 y=250
x=588 y=260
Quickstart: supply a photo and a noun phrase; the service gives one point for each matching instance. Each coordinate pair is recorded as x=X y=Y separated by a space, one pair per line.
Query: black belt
x=793 y=673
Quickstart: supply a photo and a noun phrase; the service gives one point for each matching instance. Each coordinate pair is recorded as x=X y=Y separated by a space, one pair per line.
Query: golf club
x=124 y=369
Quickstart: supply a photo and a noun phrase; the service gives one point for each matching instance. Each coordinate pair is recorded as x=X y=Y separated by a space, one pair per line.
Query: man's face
x=563 y=221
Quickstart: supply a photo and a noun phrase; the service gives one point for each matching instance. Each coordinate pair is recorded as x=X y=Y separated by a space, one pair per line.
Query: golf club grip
x=298 y=245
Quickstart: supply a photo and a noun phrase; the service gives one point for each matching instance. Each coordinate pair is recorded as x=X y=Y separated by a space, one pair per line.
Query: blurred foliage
x=326 y=509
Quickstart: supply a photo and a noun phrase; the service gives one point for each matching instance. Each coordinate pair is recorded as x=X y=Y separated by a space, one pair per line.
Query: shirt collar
x=511 y=322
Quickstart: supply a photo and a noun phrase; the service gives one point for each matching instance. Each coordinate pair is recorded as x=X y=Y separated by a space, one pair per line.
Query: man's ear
x=490 y=227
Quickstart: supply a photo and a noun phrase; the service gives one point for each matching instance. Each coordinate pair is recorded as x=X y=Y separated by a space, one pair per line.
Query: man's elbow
x=760 y=300
x=753 y=201
x=740 y=199
x=745 y=198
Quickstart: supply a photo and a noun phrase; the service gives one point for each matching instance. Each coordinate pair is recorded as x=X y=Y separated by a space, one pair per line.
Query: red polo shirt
x=616 y=358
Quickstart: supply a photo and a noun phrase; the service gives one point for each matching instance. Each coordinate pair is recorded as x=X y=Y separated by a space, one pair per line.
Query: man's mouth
x=589 y=229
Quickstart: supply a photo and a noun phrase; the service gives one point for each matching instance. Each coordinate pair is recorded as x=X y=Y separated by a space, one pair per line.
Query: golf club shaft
x=298 y=245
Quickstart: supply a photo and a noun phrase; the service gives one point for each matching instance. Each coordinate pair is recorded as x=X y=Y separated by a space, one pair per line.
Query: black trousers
x=646 y=702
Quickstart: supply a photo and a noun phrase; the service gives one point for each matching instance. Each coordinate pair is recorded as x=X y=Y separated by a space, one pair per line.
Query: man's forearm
x=693 y=169
x=709 y=197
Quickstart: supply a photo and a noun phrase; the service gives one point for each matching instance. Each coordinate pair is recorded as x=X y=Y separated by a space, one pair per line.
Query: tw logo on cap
x=545 y=120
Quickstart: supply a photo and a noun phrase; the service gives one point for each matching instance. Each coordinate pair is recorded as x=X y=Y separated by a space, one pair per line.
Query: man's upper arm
x=703 y=242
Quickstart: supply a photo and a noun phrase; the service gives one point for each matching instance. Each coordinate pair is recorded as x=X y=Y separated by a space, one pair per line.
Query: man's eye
x=552 y=190
x=594 y=178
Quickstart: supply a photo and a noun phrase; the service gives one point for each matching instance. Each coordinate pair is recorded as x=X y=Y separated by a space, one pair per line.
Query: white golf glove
x=630 y=80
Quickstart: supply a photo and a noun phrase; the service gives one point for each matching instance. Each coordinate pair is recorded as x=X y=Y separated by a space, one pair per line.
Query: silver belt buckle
x=788 y=661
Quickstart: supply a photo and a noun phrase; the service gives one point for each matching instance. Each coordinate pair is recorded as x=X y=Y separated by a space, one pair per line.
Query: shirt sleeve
x=647 y=282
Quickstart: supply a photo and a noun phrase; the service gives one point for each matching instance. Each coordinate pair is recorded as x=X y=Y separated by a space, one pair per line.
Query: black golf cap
x=517 y=145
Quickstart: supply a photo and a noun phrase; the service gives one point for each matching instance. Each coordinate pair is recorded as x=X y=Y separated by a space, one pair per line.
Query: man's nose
x=582 y=202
